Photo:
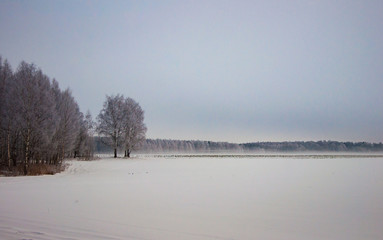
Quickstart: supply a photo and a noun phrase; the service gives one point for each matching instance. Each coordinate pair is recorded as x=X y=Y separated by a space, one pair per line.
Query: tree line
x=40 y=124
x=313 y=146
x=170 y=146
x=185 y=146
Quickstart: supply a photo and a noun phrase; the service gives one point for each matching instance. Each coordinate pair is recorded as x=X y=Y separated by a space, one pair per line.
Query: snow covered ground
x=198 y=198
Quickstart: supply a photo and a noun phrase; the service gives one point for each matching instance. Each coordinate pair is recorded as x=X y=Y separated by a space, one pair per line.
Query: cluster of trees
x=162 y=145
x=181 y=146
x=121 y=124
x=312 y=146
x=40 y=124
x=172 y=146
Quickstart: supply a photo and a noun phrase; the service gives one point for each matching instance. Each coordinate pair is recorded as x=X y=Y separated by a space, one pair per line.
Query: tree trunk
x=128 y=153
x=115 y=145
x=13 y=152
x=63 y=153
x=27 y=153
x=9 y=150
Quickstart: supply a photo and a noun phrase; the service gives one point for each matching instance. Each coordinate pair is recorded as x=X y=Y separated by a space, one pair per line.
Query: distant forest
x=184 y=146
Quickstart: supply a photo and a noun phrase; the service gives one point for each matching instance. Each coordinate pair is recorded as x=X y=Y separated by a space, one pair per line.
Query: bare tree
x=90 y=128
x=110 y=121
x=39 y=123
x=122 y=122
x=69 y=119
x=84 y=144
x=134 y=126
x=6 y=114
x=36 y=112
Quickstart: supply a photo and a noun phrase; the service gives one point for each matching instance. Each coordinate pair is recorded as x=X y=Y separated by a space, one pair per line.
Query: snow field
x=198 y=198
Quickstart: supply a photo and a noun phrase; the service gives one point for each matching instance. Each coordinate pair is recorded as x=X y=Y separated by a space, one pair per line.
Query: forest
x=197 y=146
x=40 y=124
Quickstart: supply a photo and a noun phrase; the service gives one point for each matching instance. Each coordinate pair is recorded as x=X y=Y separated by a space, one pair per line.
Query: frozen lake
x=199 y=198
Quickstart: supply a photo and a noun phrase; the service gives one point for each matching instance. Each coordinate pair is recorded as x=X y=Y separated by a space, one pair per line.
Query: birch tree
x=84 y=144
x=36 y=111
x=134 y=126
x=69 y=119
x=39 y=123
x=89 y=142
x=6 y=113
x=111 y=121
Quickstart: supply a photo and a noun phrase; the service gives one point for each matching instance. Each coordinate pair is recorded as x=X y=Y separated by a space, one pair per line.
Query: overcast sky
x=237 y=71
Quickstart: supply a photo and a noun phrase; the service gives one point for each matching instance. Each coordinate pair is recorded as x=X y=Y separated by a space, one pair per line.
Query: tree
x=85 y=138
x=36 y=111
x=39 y=123
x=69 y=120
x=121 y=121
x=7 y=126
x=134 y=126
x=111 y=121
x=89 y=142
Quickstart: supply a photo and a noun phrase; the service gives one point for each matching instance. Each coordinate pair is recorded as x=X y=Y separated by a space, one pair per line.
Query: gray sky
x=237 y=71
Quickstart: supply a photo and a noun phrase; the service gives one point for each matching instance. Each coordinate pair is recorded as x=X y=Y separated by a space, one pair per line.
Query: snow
x=198 y=198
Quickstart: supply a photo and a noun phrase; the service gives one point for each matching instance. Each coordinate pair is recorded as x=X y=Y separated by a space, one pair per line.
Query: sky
x=235 y=71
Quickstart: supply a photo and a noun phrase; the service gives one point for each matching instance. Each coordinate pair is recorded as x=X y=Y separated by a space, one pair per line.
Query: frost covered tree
x=111 y=121
x=69 y=119
x=90 y=130
x=7 y=112
x=85 y=138
x=134 y=126
x=39 y=123
x=36 y=111
x=121 y=121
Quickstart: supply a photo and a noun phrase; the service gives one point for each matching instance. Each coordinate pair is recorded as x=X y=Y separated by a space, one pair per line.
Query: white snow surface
x=198 y=198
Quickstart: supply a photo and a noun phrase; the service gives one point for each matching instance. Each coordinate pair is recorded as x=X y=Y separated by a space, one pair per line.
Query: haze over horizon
x=235 y=71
